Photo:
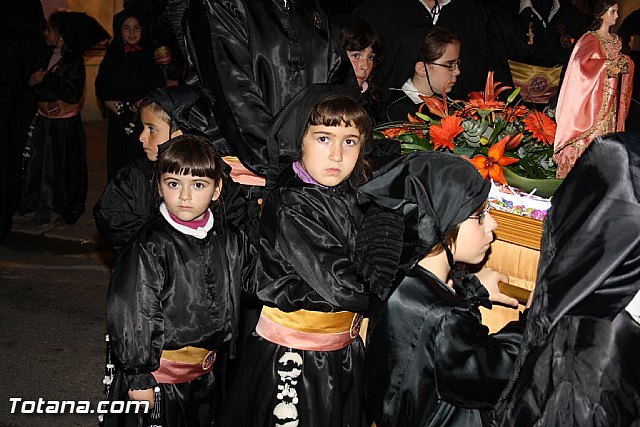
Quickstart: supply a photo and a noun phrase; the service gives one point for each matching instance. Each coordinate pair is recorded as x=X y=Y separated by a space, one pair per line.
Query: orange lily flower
x=436 y=106
x=486 y=100
x=541 y=126
x=491 y=166
x=514 y=141
x=442 y=135
x=392 y=133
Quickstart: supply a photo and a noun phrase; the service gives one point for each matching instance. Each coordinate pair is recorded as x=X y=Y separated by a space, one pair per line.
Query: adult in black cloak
x=21 y=44
x=528 y=34
x=127 y=73
x=430 y=361
x=55 y=172
x=255 y=56
x=579 y=359
x=396 y=20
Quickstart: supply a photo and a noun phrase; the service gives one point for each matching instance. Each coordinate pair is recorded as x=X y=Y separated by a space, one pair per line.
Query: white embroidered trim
x=289 y=370
x=199 y=233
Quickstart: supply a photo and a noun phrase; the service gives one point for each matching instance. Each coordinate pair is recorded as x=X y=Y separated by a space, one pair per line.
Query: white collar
x=442 y=4
x=634 y=308
x=412 y=91
x=554 y=9
x=200 y=232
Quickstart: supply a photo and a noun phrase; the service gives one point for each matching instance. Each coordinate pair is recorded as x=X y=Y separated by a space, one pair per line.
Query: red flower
x=541 y=126
x=442 y=135
x=492 y=166
x=392 y=133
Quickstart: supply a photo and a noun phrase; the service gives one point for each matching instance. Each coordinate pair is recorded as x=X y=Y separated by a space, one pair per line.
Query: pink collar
x=195 y=224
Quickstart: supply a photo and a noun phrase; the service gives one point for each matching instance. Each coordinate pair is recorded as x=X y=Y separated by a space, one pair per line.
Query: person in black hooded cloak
x=127 y=73
x=303 y=364
x=129 y=199
x=55 y=166
x=579 y=359
x=430 y=361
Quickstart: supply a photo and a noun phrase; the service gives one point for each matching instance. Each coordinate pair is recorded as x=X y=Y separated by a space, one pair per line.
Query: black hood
x=430 y=192
x=191 y=107
x=118 y=20
x=78 y=30
x=289 y=125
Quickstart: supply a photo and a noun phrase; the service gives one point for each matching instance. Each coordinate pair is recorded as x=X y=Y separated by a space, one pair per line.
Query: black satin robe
x=305 y=261
x=169 y=290
x=578 y=364
x=55 y=175
x=255 y=55
x=126 y=204
x=431 y=362
x=553 y=41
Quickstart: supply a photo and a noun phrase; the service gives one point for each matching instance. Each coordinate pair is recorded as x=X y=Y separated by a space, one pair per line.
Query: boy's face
x=187 y=196
x=155 y=132
x=131 y=30
x=329 y=153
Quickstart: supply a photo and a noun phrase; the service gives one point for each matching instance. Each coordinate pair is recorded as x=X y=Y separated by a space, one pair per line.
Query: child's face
x=155 y=132
x=440 y=74
x=188 y=196
x=329 y=153
x=362 y=62
x=474 y=238
x=131 y=30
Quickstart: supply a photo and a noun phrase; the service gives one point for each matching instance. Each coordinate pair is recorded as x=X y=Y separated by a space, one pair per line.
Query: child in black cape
x=127 y=74
x=174 y=294
x=430 y=361
x=304 y=363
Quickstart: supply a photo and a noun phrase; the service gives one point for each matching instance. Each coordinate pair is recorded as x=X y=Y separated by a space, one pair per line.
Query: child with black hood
x=303 y=365
x=128 y=201
x=430 y=361
x=127 y=73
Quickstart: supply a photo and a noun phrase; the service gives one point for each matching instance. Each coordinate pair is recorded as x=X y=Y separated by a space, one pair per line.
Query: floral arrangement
x=491 y=133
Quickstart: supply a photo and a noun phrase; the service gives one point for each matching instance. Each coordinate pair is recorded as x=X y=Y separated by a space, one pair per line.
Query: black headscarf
x=118 y=20
x=78 y=30
x=191 y=108
x=289 y=125
x=429 y=192
x=590 y=256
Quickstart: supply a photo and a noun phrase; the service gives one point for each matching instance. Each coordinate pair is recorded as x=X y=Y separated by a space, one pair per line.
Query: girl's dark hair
x=54 y=23
x=344 y=110
x=157 y=110
x=359 y=35
x=435 y=43
x=191 y=155
x=599 y=10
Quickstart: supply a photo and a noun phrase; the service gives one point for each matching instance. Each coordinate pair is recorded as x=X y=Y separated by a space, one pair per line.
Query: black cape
x=55 y=174
x=579 y=360
x=255 y=56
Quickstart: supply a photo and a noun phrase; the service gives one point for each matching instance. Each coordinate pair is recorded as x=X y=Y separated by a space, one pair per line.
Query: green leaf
x=409 y=148
x=513 y=95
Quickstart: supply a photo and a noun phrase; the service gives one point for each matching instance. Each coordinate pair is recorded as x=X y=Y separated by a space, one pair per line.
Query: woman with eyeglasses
x=429 y=360
x=435 y=72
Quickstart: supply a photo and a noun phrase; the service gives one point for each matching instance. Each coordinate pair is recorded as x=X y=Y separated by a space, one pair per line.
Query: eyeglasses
x=480 y=216
x=451 y=65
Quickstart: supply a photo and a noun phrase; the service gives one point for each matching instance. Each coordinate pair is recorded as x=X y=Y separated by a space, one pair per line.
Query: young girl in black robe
x=430 y=361
x=304 y=363
x=173 y=297
x=127 y=73
x=55 y=167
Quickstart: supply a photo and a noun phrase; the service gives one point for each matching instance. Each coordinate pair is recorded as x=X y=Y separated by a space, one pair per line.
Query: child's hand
x=142 y=395
x=37 y=77
x=489 y=279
